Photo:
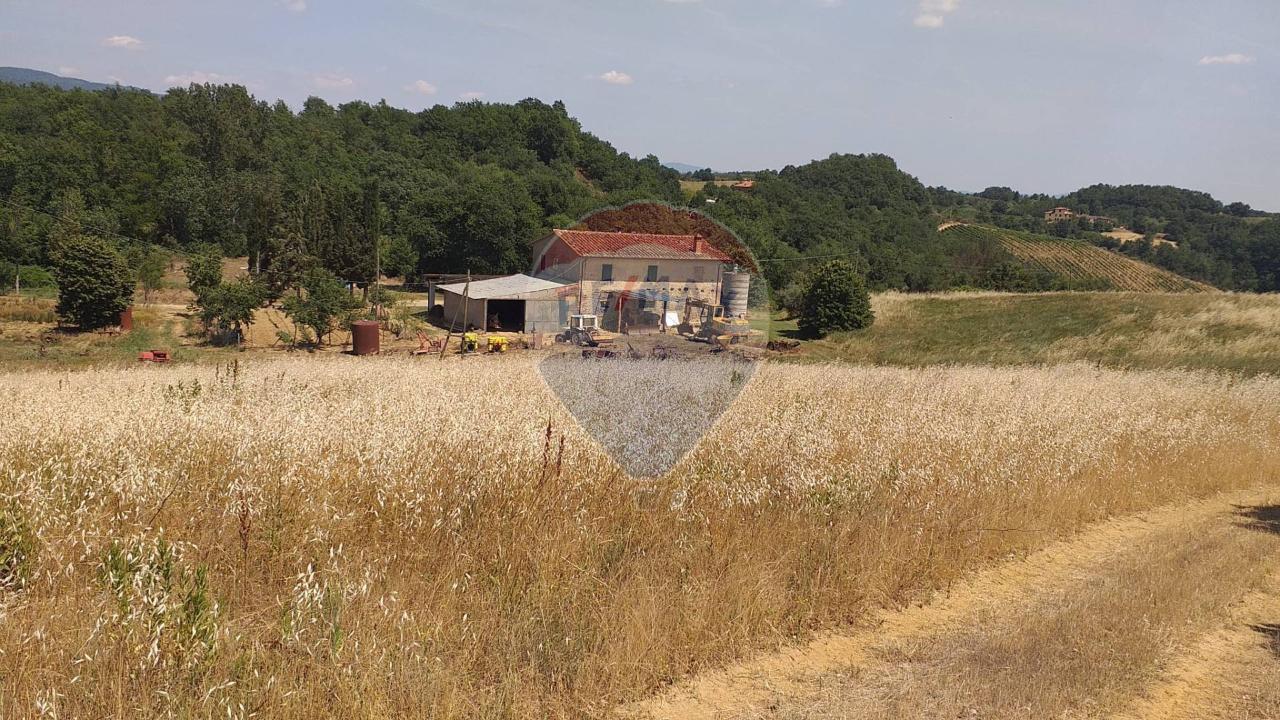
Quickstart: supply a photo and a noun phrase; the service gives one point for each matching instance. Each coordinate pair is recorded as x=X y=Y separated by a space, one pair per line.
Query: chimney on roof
x=698 y=243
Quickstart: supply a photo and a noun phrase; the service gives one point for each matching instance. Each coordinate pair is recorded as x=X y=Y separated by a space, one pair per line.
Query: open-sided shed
x=514 y=303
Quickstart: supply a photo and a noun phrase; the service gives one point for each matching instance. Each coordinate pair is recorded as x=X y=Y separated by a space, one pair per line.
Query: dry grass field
x=333 y=537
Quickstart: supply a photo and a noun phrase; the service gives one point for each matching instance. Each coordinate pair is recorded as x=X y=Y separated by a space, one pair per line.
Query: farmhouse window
x=699 y=273
x=606 y=272
x=651 y=275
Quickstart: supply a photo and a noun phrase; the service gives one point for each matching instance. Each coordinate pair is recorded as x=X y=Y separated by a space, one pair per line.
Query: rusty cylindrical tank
x=126 y=319
x=364 y=337
x=734 y=294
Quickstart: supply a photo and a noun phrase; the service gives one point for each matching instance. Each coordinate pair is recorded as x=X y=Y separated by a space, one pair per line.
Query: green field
x=1238 y=333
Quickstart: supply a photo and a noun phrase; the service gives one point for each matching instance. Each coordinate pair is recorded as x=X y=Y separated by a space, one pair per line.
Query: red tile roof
x=590 y=243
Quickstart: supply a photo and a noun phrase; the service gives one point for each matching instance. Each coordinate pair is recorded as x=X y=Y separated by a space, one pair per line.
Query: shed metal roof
x=510 y=287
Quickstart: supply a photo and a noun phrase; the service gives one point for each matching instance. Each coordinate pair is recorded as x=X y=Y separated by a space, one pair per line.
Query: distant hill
x=683 y=168
x=27 y=76
x=1079 y=262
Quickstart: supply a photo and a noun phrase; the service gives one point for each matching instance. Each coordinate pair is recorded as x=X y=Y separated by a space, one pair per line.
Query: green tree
x=284 y=261
x=834 y=299
x=228 y=308
x=398 y=256
x=322 y=303
x=204 y=271
x=94 y=282
x=151 y=271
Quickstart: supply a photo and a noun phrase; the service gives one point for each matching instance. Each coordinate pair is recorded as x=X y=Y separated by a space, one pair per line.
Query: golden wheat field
x=329 y=537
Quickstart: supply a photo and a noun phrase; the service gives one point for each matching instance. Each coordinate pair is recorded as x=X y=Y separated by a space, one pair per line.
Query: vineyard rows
x=1077 y=260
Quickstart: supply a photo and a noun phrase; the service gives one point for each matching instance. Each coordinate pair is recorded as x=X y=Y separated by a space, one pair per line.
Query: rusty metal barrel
x=126 y=319
x=364 y=337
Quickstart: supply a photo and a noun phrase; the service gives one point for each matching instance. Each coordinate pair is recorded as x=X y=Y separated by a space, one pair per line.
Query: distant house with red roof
x=639 y=276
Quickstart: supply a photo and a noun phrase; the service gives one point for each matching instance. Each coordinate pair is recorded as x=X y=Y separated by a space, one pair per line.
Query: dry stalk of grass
x=334 y=537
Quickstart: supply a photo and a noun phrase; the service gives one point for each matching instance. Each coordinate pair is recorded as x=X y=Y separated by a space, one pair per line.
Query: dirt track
x=988 y=648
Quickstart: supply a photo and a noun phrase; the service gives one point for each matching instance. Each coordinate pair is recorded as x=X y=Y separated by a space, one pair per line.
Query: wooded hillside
x=467 y=187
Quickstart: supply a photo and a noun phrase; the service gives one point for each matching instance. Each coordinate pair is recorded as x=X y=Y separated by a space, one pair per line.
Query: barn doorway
x=506 y=315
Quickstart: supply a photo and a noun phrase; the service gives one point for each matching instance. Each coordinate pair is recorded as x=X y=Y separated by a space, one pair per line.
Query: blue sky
x=1040 y=95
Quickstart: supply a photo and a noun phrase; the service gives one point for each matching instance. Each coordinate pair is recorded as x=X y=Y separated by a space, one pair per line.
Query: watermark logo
x=663 y=315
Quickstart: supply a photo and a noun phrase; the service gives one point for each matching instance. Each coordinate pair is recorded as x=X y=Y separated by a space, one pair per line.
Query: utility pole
x=466 y=294
x=376 y=227
x=377 y=275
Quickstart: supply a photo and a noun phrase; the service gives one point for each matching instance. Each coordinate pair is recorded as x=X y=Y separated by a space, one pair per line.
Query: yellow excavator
x=708 y=322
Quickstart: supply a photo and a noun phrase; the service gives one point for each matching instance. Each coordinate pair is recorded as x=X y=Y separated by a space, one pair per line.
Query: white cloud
x=332 y=81
x=933 y=13
x=196 y=77
x=613 y=77
x=422 y=87
x=1229 y=59
x=471 y=95
x=127 y=42
x=295 y=5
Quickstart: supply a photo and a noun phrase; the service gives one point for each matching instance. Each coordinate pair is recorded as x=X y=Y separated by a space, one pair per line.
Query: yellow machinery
x=707 y=322
x=470 y=342
x=498 y=344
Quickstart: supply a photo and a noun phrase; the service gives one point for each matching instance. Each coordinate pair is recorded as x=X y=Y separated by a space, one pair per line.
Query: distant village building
x=1063 y=214
x=633 y=281
x=1059 y=214
x=744 y=185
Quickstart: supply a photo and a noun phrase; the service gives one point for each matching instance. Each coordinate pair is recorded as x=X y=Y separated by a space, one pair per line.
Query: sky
x=1039 y=95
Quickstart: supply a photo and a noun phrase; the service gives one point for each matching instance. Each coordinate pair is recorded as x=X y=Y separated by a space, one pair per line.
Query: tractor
x=585 y=331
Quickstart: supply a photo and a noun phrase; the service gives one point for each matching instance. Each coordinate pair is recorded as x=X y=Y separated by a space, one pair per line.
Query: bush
x=94 y=283
x=835 y=298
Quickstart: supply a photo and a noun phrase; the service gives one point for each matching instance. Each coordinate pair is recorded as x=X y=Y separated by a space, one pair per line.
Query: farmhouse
x=634 y=281
x=515 y=303
x=1062 y=214
x=1059 y=214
